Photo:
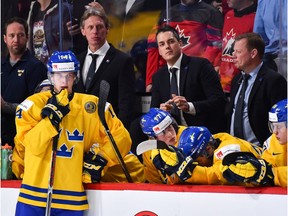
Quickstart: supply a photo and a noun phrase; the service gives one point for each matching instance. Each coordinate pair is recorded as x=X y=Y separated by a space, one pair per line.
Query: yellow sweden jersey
x=213 y=174
x=79 y=129
x=276 y=154
x=152 y=175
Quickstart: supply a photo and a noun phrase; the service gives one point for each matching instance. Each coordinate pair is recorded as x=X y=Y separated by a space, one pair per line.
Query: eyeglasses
x=276 y=126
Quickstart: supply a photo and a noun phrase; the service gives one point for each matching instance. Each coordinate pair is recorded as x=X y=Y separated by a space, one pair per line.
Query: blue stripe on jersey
x=60 y=192
x=71 y=202
x=69 y=193
x=58 y=201
x=36 y=189
x=31 y=197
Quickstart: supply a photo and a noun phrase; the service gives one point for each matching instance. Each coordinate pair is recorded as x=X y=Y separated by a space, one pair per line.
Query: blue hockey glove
x=56 y=108
x=245 y=167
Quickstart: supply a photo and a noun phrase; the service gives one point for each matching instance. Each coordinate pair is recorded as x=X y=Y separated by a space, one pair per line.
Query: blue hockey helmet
x=155 y=121
x=44 y=83
x=193 y=141
x=63 y=61
x=278 y=113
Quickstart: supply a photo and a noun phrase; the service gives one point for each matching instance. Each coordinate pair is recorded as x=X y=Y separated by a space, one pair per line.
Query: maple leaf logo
x=185 y=39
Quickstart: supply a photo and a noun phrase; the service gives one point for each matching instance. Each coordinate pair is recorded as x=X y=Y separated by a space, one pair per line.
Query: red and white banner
x=128 y=199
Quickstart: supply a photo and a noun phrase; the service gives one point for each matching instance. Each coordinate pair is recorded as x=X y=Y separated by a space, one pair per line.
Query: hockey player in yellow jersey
x=198 y=157
x=158 y=124
x=271 y=168
x=74 y=119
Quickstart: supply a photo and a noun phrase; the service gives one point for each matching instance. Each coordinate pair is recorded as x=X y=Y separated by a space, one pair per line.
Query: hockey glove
x=245 y=167
x=92 y=167
x=173 y=162
x=57 y=107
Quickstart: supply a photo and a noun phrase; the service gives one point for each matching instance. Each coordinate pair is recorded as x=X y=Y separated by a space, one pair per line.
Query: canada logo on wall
x=146 y=213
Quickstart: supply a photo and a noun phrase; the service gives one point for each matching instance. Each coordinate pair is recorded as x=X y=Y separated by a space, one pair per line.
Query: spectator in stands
x=109 y=64
x=271 y=24
x=241 y=11
x=191 y=91
x=200 y=28
x=215 y=3
x=253 y=91
x=21 y=72
x=24 y=7
x=271 y=168
x=43 y=21
x=225 y=7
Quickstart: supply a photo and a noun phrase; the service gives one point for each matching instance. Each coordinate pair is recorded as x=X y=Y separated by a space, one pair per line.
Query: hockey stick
x=103 y=94
x=168 y=5
x=51 y=177
x=150 y=145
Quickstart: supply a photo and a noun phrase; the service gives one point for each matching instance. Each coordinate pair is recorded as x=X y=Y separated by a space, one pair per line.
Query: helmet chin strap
x=70 y=96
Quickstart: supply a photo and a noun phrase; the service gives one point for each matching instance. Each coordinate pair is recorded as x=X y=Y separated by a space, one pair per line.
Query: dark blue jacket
x=17 y=83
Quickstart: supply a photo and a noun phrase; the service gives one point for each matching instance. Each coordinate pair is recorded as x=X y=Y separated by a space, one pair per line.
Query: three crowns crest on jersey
x=64 y=150
x=75 y=136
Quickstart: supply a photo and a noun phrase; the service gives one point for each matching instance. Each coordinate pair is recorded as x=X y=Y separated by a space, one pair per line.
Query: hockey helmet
x=193 y=141
x=155 y=121
x=278 y=113
x=63 y=61
x=44 y=83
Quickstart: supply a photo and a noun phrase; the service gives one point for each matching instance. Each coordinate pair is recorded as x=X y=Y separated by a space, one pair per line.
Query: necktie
x=174 y=85
x=91 y=70
x=238 y=117
x=174 y=90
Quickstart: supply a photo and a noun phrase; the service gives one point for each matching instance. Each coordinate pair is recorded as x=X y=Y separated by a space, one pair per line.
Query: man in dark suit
x=200 y=99
x=265 y=88
x=110 y=64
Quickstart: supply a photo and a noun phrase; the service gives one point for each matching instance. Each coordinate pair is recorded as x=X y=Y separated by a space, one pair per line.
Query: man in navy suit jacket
x=112 y=65
x=201 y=100
x=265 y=88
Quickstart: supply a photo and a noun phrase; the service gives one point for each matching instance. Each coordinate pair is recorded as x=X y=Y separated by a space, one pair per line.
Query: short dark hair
x=254 y=41
x=167 y=28
x=16 y=20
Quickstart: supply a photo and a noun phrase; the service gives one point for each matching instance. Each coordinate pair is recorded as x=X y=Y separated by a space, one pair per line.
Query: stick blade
x=150 y=145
